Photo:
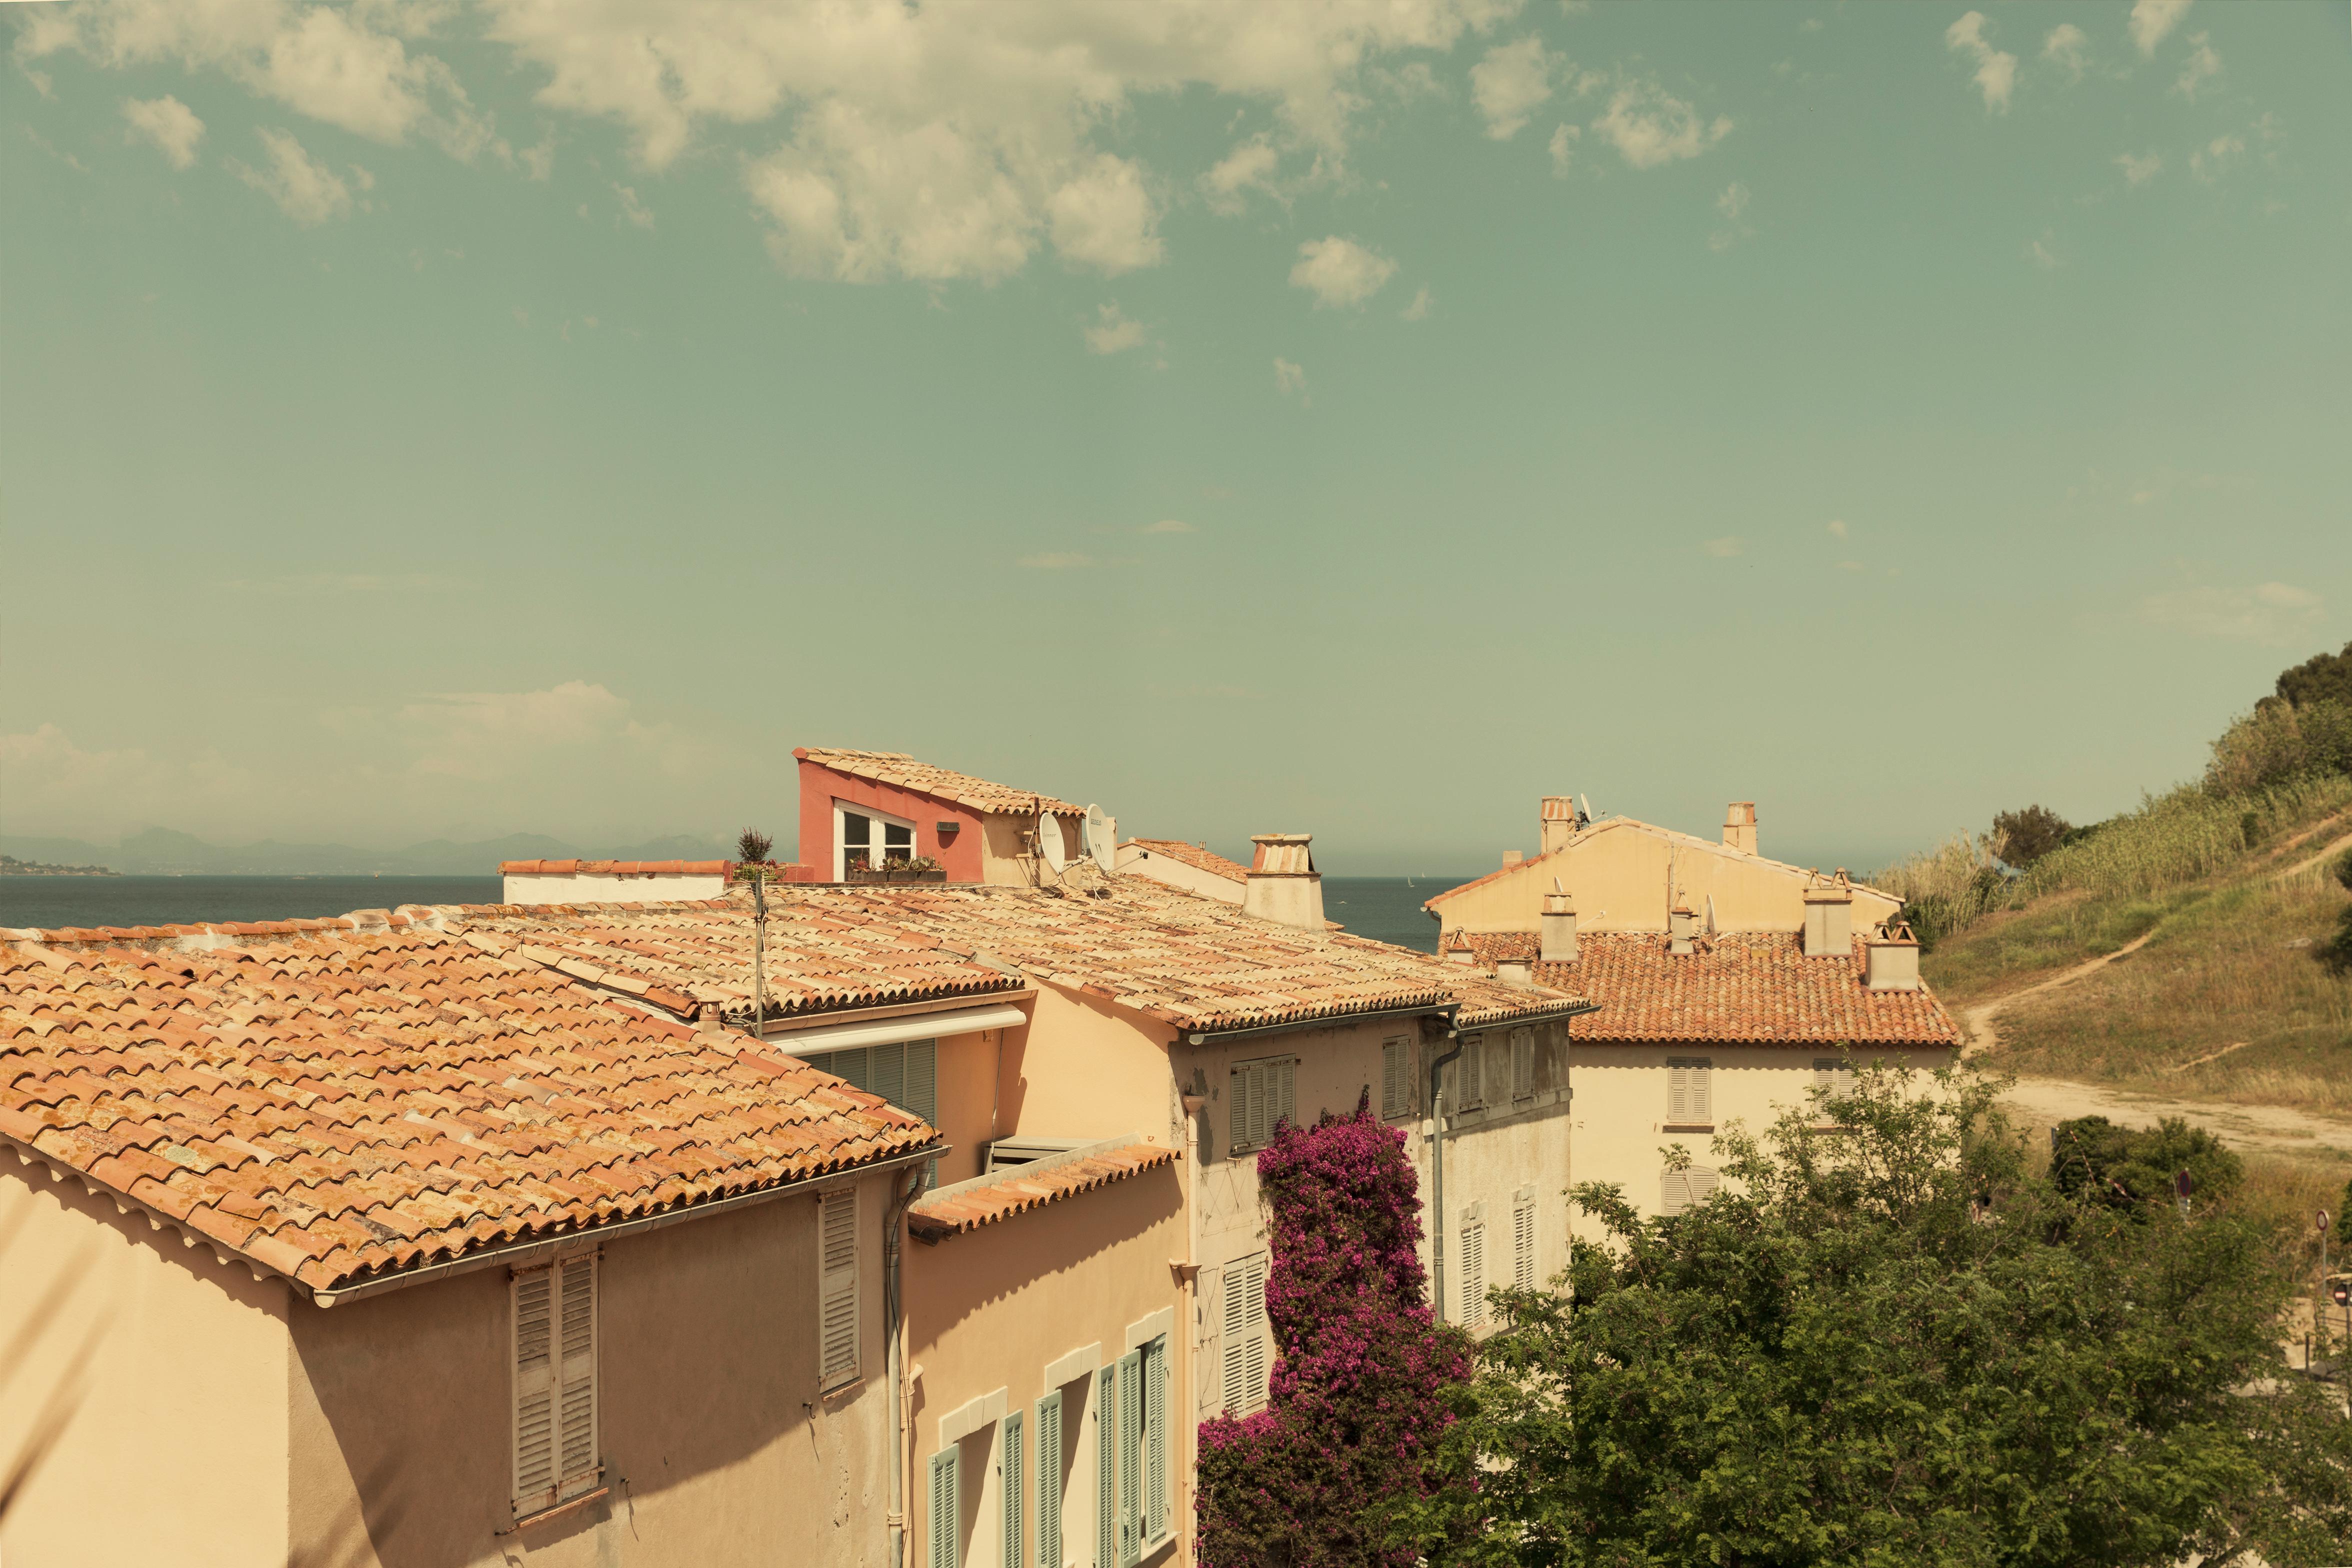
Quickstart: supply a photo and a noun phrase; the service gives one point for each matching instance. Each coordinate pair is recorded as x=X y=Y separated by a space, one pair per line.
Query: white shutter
x=837 y=1358
x=1016 y=1479
x=1049 y=1480
x=1130 y=1459
x=1255 y=1370
x=1702 y=1184
x=1105 y=1464
x=1702 y=1091
x=576 y=1410
x=1234 y=1335
x=1523 y=1247
x=1523 y=1064
x=1688 y=1100
x=1155 y=1439
x=1473 y=1275
x=534 y=1389
x=946 y=1505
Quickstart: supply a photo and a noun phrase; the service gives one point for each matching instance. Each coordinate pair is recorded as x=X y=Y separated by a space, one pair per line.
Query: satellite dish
x=1586 y=801
x=1049 y=842
x=1102 y=837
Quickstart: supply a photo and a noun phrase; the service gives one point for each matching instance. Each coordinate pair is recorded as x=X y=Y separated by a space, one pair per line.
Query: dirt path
x=2266 y=1129
x=2301 y=866
x=1976 y=1023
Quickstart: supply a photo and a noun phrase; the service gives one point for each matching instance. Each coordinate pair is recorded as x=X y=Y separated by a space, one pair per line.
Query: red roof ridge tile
x=616 y=868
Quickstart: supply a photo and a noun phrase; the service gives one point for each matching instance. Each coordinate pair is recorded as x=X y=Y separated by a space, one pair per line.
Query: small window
x=1263 y=1094
x=1474 y=1272
x=906 y=1076
x=1243 y=1341
x=1523 y=1064
x=837 y=1359
x=869 y=840
x=1682 y=1190
x=1689 y=1099
x=1834 y=1075
x=1397 y=1098
x=1523 y=1244
x=556 y=1452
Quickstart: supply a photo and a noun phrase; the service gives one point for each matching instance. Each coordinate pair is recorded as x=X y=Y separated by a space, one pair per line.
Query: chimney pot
x=1557 y=941
x=1681 y=927
x=1829 y=921
x=1739 y=826
x=1284 y=886
x=1515 y=971
x=1557 y=824
x=1890 y=962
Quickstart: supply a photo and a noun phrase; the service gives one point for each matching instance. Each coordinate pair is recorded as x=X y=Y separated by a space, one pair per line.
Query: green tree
x=2134 y=1170
x=2324 y=677
x=2022 y=837
x=1892 y=1345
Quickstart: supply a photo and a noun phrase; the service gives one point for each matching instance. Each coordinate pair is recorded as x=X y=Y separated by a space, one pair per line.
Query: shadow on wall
x=43 y=1391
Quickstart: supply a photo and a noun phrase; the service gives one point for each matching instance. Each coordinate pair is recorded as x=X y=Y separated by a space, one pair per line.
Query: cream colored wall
x=718 y=1447
x=1166 y=870
x=594 y=890
x=1004 y=857
x=1618 y=875
x=162 y=1375
x=1621 y=1105
x=1083 y=1069
x=993 y=1308
x=1495 y=1150
x=967 y=1067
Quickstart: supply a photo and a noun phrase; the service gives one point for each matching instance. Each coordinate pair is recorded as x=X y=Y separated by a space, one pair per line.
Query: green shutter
x=1106 y=1462
x=946 y=1505
x=855 y=1068
x=922 y=1079
x=890 y=1073
x=1016 y=1479
x=1155 y=1440
x=1130 y=1459
x=1049 y=1480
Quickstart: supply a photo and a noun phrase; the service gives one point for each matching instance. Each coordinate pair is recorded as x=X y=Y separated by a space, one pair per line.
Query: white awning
x=891 y=1031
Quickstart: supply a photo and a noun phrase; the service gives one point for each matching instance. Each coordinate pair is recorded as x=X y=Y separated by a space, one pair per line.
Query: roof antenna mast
x=751 y=847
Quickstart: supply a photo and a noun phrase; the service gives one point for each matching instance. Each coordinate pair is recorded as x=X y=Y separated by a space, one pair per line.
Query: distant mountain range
x=159 y=851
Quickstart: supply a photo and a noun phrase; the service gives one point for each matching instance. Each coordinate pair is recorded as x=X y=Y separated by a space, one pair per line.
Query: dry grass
x=2175 y=840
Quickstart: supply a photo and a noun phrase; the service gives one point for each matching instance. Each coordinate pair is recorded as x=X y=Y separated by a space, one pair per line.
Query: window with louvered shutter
x=1284 y=1106
x=534 y=1389
x=1106 y=1465
x=1680 y=1190
x=556 y=1453
x=890 y=1070
x=1155 y=1441
x=1473 y=1275
x=1016 y=1494
x=1836 y=1077
x=1523 y=1244
x=1049 y=1480
x=1130 y=1459
x=837 y=1358
x=1688 y=1100
x=1703 y=1183
x=946 y=1506
x=1242 y=1344
x=1263 y=1093
x=1396 y=1078
x=922 y=1079
x=854 y=1067
x=1473 y=1072
x=1523 y=1064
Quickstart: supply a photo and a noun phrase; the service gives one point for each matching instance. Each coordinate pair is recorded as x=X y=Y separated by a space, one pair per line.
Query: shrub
x=1358 y=1387
x=2177 y=838
x=2277 y=742
x=2326 y=677
x=2123 y=1168
x=752 y=845
x=2022 y=837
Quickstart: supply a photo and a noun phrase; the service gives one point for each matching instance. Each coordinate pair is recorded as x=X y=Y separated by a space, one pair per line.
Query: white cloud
x=1169 y=525
x=1113 y=331
x=1105 y=218
x=52 y=784
x=2064 y=47
x=1563 y=148
x=1288 y=377
x=1837 y=528
x=1723 y=549
x=1732 y=207
x=633 y=211
x=484 y=734
x=1419 y=310
x=1650 y=126
x=538 y=162
x=172 y=126
x=2214 y=160
x=1249 y=166
x=1511 y=83
x=1340 y=273
x=2043 y=252
x=2152 y=19
x=2268 y=613
x=305 y=189
x=2203 y=65
x=2139 y=171
x=1056 y=560
x=1996 y=72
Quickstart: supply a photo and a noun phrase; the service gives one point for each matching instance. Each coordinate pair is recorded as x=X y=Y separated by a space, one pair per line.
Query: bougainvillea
x=1356 y=1394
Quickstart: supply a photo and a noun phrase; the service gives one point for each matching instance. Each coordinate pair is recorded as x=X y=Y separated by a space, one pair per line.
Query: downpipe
x=893 y=1250
x=1437 y=1167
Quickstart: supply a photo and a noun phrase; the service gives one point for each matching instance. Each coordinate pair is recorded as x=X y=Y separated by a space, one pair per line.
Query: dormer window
x=867 y=840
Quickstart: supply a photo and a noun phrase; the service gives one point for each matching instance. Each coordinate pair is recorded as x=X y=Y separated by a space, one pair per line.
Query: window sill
x=1154 y=1550
x=846 y=1386
x=570 y=1505
x=1686 y=1127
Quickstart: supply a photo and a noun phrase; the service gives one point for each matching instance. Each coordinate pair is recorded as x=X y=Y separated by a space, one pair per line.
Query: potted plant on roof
x=897 y=868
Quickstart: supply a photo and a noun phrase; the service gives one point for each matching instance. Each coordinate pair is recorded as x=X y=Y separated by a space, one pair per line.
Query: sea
x=1387 y=909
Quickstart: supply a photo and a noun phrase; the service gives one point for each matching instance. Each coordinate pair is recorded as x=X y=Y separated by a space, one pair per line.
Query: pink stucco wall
x=959 y=852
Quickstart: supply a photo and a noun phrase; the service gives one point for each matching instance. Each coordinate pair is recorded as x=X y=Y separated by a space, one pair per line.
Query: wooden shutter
x=1238 y=1085
x=1473 y=1075
x=1130 y=1459
x=1523 y=1245
x=922 y=1079
x=1688 y=1100
x=1473 y=1275
x=1284 y=1106
x=1016 y=1484
x=1155 y=1439
x=1105 y=1464
x=1049 y=1480
x=1253 y=1362
x=1681 y=1189
x=837 y=1358
x=1396 y=1078
x=534 y=1389
x=1523 y=1064
x=1234 y=1334
x=1701 y=1183
x=946 y=1505
x=576 y=1411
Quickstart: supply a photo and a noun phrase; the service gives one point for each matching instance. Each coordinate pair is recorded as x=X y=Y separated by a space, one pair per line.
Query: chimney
x=1517 y=971
x=1457 y=948
x=1829 y=919
x=1557 y=828
x=1558 y=938
x=1284 y=886
x=1512 y=858
x=1680 y=926
x=1890 y=962
x=1739 y=826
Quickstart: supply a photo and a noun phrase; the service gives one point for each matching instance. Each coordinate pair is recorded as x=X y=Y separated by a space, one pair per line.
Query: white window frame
x=840 y=846
x=565 y=1391
x=1261 y=1092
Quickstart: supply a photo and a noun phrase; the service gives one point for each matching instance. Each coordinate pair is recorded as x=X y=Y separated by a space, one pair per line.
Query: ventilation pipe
x=1284 y=886
x=1739 y=826
x=1828 y=918
x=1558 y=927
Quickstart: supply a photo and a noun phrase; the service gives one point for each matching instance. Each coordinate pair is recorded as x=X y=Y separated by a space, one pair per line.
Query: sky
x=1362 y=418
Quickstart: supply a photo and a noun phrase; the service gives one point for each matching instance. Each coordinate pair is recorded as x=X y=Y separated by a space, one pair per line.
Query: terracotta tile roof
x=1686 y=840
x=984 y=1200
x=615 y=867
x=1198 y=964
x=944 y=784
x=1198 y=856
x=1752 y=988
x=348 y=1101
x=817 y=960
